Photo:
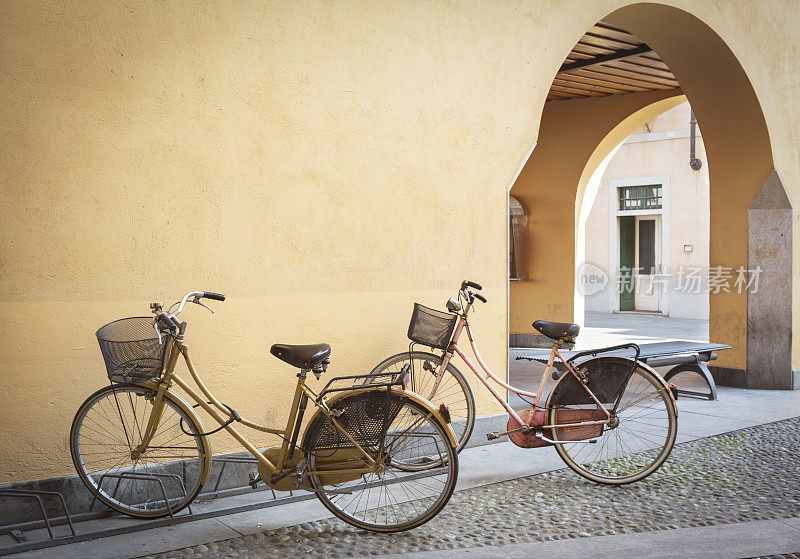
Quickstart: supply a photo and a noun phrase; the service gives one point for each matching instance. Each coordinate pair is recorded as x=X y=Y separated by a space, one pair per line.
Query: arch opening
x=590 y=110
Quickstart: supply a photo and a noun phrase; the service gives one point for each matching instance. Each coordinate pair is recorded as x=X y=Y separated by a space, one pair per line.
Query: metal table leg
x=701 y=368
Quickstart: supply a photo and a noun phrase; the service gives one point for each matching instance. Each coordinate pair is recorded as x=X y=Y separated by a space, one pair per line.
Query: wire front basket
x=431 y=327
x=131 y=349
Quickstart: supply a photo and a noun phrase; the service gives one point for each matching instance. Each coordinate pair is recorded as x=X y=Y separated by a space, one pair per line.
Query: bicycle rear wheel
x=453 y=389
x=641 y=432
x=169 y=473
x=384 y=498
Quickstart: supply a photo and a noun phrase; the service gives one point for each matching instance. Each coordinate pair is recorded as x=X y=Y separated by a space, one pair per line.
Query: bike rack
x=140 y=525
x=17 y=534
x=142 y=477
x=396 y=379
x=23 y=544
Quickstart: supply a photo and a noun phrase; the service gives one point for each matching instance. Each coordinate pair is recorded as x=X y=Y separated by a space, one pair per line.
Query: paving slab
x=616 y=328
x=138 y=544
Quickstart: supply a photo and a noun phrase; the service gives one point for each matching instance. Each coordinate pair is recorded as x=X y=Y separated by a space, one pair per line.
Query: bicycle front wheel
x=640 y=434
x=164 y=478
x=452 y=390
x=382 y=497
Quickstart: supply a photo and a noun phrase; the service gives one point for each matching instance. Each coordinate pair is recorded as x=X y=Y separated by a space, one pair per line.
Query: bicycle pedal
x=254 y=479
x=496 y=435
x=302 y=472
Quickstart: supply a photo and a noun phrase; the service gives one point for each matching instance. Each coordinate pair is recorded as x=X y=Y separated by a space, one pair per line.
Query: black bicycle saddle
x=302 y=356
x=557 y=330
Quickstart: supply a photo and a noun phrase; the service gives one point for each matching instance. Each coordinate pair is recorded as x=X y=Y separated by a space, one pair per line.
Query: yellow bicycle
x=378 y=456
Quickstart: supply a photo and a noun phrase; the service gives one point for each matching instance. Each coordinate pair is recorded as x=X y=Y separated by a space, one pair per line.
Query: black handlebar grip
x=167 y=321
x=214 y=296
x=467 y=283
x=479 y=297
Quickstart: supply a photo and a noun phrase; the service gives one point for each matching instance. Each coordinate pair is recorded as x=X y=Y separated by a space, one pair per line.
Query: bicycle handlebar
x=170 y=319
x=197 y=295
x=467 y=287
x=466 y=283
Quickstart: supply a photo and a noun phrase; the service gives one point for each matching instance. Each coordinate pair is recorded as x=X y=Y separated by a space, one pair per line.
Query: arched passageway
x=576 y=134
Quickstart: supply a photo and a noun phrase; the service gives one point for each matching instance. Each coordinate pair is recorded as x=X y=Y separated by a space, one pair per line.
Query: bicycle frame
x=290 y=434
x=455 y=349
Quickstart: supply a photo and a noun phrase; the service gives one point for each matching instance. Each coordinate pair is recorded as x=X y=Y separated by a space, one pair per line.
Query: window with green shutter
x=647 y=197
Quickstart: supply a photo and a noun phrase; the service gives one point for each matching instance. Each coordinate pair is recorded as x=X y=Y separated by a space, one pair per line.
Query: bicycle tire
x=105 y=430
x=400 y=501
x=646 y=418
x=454 y=392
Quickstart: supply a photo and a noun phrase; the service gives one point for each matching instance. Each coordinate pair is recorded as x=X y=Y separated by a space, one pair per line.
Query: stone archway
x=576 y=134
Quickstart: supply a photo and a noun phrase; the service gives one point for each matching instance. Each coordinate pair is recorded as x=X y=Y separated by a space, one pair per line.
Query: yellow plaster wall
x=323 y=164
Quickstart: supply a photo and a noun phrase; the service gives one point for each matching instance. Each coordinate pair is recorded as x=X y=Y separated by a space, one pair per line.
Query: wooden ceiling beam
x=605 y=41
x=556 y=88
x=605 y=58
x=620 y=87
x=587 y=87
x=610 y=72
x=635 y=66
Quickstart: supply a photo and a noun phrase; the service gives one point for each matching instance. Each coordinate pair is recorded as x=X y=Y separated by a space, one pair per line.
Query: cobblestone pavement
x=739 y=476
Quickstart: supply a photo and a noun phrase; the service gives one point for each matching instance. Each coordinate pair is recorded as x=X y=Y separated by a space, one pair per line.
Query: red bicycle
x=611 y=418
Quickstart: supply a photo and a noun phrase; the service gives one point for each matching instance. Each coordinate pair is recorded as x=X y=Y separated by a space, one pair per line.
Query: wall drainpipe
x=694 y=163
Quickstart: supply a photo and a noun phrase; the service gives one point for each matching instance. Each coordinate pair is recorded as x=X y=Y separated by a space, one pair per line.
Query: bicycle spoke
x=637 y=441
x=111 y=427
x=391 y=497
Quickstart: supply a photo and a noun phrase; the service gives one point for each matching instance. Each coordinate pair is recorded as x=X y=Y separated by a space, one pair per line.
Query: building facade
x=648 y=229
x=327 y=164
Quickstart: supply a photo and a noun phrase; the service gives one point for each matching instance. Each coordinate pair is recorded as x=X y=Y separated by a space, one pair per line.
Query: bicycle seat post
x=321 y=368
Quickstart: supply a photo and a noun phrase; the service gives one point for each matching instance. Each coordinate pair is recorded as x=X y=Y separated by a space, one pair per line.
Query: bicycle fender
x=451 y=435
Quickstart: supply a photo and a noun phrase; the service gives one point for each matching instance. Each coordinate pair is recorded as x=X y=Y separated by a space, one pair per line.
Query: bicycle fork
x=152 y=423
x=158 y=406
x=438 y=374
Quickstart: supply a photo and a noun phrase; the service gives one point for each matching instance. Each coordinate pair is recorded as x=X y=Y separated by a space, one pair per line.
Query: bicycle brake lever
x=158 y=332
x=197 y=301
